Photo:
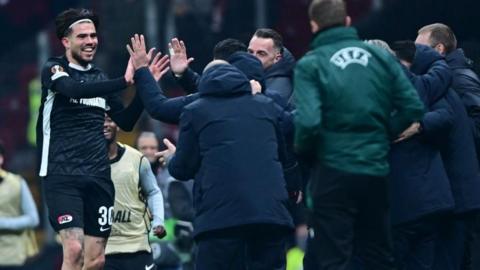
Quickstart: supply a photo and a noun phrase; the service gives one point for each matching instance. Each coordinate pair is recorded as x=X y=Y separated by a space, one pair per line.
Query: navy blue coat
x=231 y=143
x=458 y=154
x=419 y=183
x=460 y=159
x=278 y=77
x=169 y=109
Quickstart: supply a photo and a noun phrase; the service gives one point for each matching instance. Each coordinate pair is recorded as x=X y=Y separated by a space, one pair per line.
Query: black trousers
x=458 y=245
x=127 y=261
x=350 y=214
x=253 y=247
x=414 y=243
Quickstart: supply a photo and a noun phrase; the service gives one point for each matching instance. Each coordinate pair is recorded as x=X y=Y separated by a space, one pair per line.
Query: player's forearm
x=152 y=192
x=128 y=117
x=74 y=89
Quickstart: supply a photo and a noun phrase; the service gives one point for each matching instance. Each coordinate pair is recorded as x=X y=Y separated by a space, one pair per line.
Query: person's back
x=229 y=143
x=467 y=85
x=351 y=100
x=360 y=90
x=237 y=139
x=460 y=158
x=464 y=78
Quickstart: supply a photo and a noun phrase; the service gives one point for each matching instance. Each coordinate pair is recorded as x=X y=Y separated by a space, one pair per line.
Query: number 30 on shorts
x=106 y=215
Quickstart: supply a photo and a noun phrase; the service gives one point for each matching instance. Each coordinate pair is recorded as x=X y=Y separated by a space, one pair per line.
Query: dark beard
x=82 y=62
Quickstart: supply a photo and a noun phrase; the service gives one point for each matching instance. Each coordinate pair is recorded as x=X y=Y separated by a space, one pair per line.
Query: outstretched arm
x=151 y=191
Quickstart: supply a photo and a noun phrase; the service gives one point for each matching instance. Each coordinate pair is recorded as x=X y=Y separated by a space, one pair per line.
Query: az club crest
x=56 y=68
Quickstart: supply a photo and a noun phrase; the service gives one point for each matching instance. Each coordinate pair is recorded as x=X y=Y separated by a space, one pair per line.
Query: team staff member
x=18 y=216
x=136 y=190
x=346 y=93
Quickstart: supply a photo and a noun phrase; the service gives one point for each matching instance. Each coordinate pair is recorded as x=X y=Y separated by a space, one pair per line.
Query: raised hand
x=165 y=154
x=138 y=52
x=159 y=66
x=129 y=72
x=178 y=57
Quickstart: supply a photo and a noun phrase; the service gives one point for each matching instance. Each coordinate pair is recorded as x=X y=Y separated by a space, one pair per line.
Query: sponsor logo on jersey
x=122 y=216
x=350 y=55
x=56 y=68
x=93 y=102
x=102 y=229
x=64 y=219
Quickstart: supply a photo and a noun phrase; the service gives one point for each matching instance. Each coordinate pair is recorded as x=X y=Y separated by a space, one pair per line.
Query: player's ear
x=65 y=42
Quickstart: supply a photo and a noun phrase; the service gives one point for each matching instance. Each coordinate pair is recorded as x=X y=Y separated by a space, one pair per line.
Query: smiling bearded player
x=74 y=162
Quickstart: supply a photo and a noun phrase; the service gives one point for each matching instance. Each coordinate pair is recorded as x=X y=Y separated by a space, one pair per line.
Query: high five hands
x=179 y=60
x=140 y=58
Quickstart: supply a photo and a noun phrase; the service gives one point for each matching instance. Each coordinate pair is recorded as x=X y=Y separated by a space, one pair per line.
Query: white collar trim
x=78 y=67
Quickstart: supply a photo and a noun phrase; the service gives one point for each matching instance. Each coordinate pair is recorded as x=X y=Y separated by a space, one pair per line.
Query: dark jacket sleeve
x=157 y=105
x=125 y=118
x=281 y=86
x=438 y=121
x=432 y=85
x=406 y=102
x=186 y=161
x=189 y=81
x=291 y=170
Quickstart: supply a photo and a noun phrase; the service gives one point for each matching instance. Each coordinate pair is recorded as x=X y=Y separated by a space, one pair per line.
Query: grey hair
x=381 y=44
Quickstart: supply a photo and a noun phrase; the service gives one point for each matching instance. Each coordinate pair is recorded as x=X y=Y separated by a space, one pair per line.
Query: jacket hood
x=223 y=80
x=424 y=58
x=457 y=59
x=249 y=65
x=284 y=67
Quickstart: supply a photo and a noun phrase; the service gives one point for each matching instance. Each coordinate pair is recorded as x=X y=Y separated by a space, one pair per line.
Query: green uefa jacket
x=352 y=100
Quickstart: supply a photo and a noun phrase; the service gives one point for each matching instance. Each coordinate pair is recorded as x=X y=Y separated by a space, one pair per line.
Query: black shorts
x=127 y=261
x=80 y=201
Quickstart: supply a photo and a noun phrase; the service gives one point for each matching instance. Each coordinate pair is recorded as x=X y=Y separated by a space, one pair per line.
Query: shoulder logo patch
x=56 y=68
x=350 y=55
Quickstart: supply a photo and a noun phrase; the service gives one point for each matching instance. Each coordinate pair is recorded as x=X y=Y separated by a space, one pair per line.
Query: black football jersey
x=70 y=130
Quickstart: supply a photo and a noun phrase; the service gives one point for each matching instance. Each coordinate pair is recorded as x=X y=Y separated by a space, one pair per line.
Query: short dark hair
x=440 y=34
x=404 y=50
x=225 y=48
x=272 y=34
x=328 y=13
x=65 y=19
